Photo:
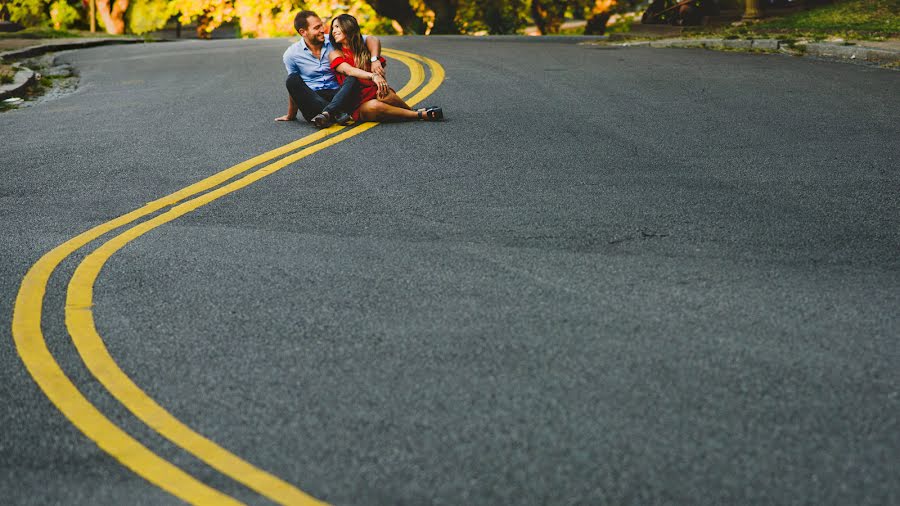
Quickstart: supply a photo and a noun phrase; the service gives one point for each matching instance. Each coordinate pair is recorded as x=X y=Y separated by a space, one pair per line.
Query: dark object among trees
x=401 y=12
x=503 y=16
x=495 y=17
x=548 y=15
x=596 y=25
x=5 y=23
x=679 y=12
x=9 y=26
x=444 y=15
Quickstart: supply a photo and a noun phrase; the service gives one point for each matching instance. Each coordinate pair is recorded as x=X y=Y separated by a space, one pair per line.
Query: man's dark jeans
x=311 y=103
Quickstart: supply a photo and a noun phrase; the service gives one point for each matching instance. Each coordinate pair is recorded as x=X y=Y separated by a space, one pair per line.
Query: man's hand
x=286 y=117
x=378 y=68
x=383 y=88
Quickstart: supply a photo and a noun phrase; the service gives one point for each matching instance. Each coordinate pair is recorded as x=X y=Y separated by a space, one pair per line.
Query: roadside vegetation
x=270 y=18
x=41 y=33
x=7 y=73
x=849 y=19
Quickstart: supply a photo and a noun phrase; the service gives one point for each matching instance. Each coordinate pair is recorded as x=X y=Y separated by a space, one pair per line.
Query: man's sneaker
x=343 y=118
x=323 y=119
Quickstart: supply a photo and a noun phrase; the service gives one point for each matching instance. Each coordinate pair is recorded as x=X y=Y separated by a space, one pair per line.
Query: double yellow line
x=32 y=347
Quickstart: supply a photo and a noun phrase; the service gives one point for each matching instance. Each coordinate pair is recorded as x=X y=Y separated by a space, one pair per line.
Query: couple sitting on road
x=341 y=78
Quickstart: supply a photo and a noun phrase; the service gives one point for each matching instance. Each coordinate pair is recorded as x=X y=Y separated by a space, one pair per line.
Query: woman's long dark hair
x=354 y=41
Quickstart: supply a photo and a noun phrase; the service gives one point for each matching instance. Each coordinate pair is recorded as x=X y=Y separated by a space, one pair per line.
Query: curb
x=817 y=49
x=23 y=78
x=29 y=52
x=852 y=52
x=758 y=44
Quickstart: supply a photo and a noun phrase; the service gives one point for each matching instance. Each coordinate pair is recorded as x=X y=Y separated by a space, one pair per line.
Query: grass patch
x=850 y=15
x=848 y=19
x=40 y=33
x=7 y=73
x=577 y=30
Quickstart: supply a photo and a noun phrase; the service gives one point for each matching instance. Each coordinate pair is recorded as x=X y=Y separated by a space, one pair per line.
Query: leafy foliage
x=549 y=14
x=27 y=12
x=495 y=17
x=208 y=14
x=149 y=15
x=270 y=18
x=265 y=18
x=62 y=15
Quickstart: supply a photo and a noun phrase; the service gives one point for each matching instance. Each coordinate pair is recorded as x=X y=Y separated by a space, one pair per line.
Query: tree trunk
x=114 y=17
x=548 y=15
x=444 y=16
x=600 y=14
x=502 y=16
x=400 y=11
x=597 y=24
x=202 y=25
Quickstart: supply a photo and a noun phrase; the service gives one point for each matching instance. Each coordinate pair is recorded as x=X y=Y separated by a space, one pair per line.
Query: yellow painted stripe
x=416 y=72
x=63 y=393
x=59 y=389
x=437 y=76
x=26 y=329
x=80 y=321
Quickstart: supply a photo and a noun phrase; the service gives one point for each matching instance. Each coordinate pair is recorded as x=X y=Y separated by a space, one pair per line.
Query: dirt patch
x=13 y=44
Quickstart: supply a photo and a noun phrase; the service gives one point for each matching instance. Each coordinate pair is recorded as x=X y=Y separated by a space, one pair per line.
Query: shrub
x=62 y=15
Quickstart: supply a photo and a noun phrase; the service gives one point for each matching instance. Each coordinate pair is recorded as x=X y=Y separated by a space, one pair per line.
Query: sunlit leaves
x=149 y=15
x=27 y=12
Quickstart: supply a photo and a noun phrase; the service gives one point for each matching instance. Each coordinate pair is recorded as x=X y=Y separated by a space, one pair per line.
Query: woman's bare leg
x=376 y=110
x=393 y=99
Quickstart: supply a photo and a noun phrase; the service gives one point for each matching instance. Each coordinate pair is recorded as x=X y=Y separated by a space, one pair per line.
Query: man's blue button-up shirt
x=315 y=72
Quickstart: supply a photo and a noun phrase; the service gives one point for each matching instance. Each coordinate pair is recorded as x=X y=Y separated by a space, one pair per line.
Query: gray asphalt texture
x=627 y=276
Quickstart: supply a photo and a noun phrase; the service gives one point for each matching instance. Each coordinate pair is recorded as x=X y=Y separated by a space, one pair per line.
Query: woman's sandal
x=431 y=114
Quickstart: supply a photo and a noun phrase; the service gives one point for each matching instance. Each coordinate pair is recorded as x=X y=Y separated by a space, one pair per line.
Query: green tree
x=208 y=14
x=62 y=15
x=27 y=12
x=495 y=17
x=266 y=18
x=149 y=15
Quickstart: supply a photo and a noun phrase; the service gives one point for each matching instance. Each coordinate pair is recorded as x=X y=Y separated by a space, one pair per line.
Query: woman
x=377 y=101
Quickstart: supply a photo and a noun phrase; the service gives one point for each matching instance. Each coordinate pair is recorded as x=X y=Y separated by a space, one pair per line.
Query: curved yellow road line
x=80 y=322
x=32 y=347
x=26 y=329
x=64 y=394
x=437 y=76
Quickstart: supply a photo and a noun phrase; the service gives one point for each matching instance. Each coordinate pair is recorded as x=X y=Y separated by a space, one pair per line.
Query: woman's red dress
x=367 y=88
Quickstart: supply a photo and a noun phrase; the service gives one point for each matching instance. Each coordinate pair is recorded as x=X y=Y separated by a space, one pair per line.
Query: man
x=312 y=87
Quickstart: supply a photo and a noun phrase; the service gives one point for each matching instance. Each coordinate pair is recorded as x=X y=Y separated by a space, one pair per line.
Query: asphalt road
x=630 y=276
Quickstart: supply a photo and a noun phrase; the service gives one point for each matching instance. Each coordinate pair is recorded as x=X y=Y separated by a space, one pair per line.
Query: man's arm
x=374 y=46
x=292 y=111
x=291 y=67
